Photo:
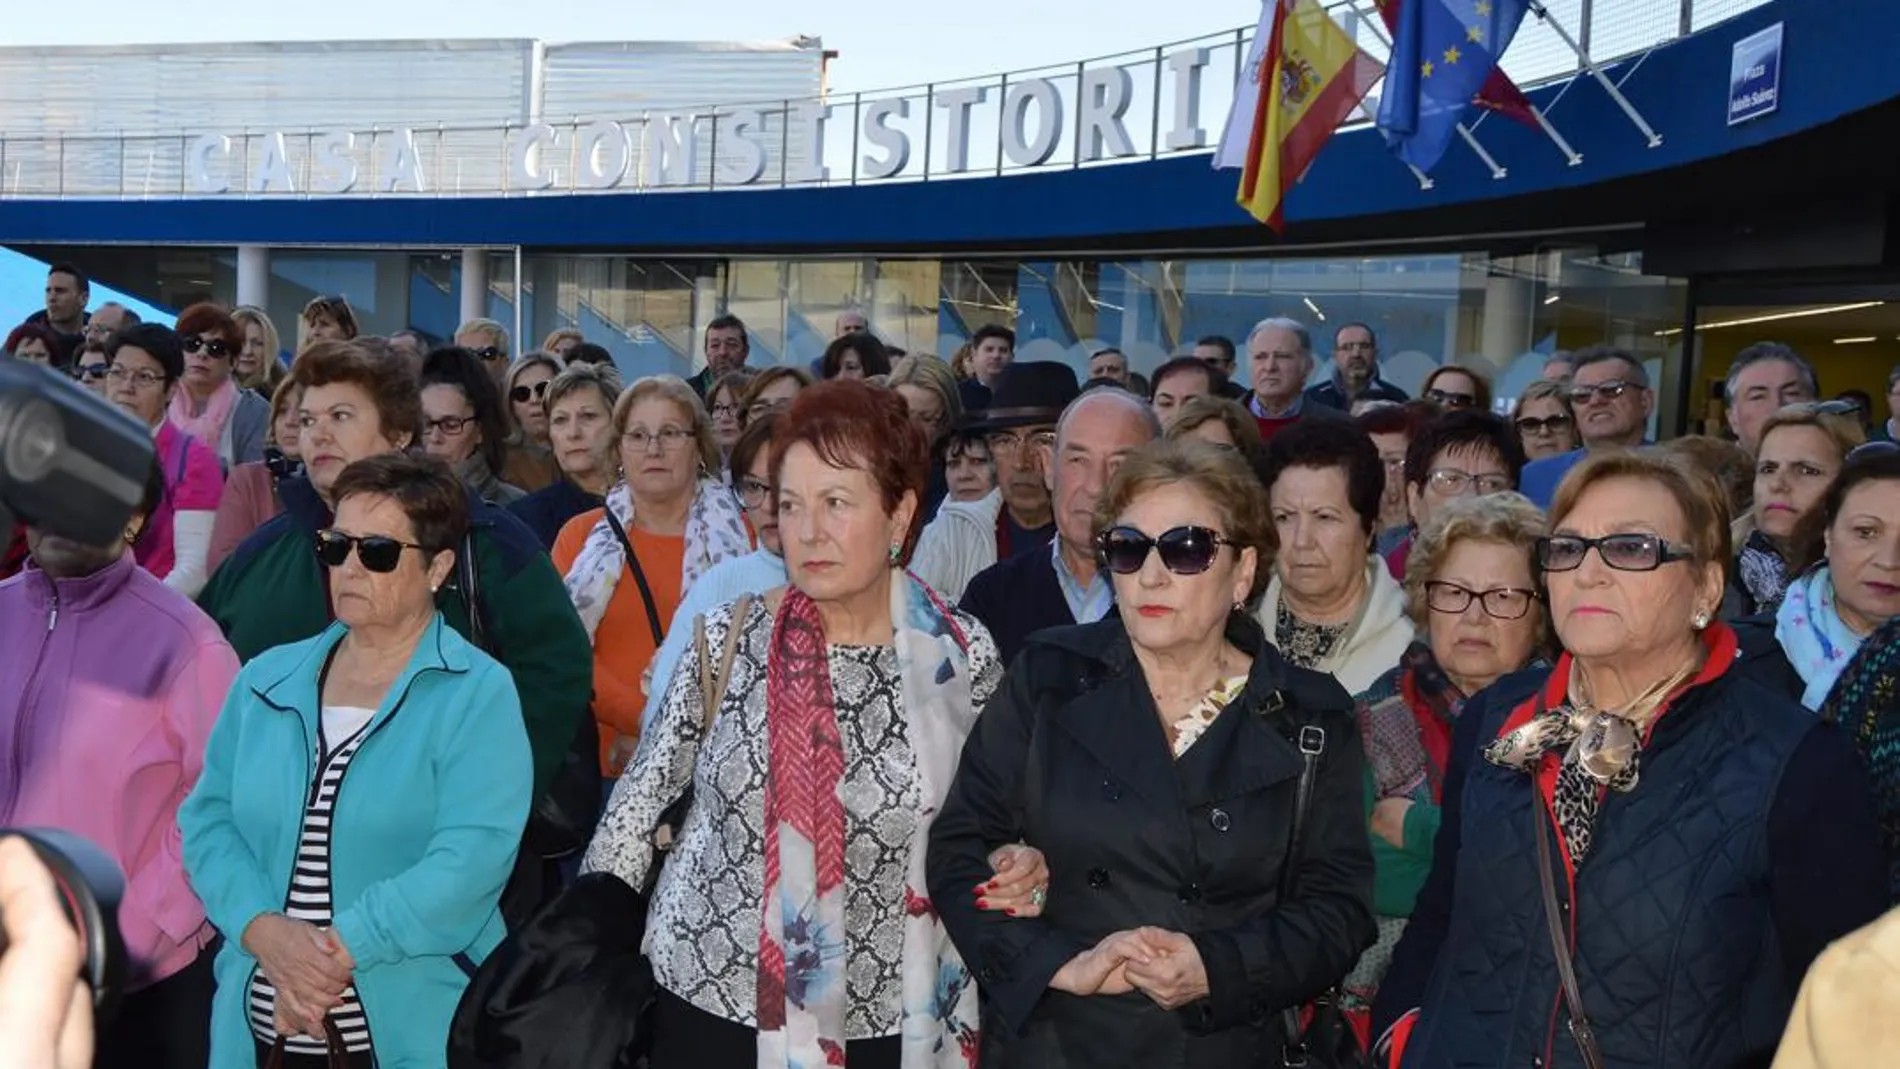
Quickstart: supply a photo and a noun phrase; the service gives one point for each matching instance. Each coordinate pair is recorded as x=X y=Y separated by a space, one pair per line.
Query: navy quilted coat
x=1748 y=844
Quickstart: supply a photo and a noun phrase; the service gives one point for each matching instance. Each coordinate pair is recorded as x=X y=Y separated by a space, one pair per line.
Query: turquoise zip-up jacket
x=423 y=836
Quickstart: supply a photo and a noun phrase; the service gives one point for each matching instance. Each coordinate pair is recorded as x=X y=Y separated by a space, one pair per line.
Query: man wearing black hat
x=1016 y=517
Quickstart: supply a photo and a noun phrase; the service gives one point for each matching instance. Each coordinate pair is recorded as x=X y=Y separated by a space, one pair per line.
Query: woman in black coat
x=1150 y=758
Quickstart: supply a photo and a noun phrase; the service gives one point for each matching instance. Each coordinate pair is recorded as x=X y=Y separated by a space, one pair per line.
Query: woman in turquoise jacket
x=362 y=798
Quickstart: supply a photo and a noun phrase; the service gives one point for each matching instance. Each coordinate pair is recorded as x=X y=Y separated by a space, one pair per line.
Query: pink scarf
x=207 y=428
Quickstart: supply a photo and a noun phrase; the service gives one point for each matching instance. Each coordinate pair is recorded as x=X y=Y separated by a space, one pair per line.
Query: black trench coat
x=1070 y=758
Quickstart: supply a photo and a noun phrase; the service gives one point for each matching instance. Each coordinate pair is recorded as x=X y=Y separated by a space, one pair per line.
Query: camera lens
x=90 y=887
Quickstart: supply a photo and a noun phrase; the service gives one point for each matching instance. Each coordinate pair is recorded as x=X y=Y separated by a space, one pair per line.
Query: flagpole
x=1497 y=172
x=1543 y=123
x=1543 y=14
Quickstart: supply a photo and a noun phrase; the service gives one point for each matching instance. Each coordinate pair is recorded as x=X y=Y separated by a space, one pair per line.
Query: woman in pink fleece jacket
x=109 y=684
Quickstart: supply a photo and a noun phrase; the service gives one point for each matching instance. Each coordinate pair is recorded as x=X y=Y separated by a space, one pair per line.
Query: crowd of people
x=959 y=711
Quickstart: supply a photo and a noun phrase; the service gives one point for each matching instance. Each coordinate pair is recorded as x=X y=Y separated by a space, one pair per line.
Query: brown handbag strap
x=713 y=678
x=1580 y=1029
x=337 y=1051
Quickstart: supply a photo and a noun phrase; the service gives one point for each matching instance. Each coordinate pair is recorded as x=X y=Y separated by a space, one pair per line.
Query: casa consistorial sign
x=1092 y=113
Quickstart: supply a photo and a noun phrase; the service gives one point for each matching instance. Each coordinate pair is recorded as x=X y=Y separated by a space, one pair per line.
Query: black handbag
x=1320 y=1037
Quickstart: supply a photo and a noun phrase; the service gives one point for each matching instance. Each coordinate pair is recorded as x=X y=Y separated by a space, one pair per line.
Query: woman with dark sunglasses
x=209 y=405
x=1154 y=758
x=529 y=461
x=1645 y=847
x=362 y=799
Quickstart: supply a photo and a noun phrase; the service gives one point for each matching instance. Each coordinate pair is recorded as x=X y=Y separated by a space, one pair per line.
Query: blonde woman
x=1218 y=421
x=929 y=390
x=257 y=366
x=530 y=463
x=560 y=343
x=1545 y=424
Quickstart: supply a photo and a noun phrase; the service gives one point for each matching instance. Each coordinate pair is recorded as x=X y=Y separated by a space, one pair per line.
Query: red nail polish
x=1009 y=913
x=982 y=903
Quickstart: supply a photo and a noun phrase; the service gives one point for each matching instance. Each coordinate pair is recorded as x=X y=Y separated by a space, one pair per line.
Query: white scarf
x=715 y=531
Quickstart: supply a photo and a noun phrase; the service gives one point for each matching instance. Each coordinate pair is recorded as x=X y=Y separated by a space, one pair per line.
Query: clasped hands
x=308 y=965
x=1164 y=965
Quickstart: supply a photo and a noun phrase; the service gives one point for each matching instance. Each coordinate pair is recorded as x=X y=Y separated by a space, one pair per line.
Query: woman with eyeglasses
x=463 y=425
x=250 y=491
x=1802 y=450
x=1459 y=454
x=362 y=798
x=772 y=390
x=258 y=365
x=529 y=461
x=1545 y=425
x=1331 y=605
x=666 y=522
x=580 y=403
x=1644 y=847
x=326 y=319
x=1471 y=594
x=1155 y=759
x=726 y=402
x=1454 y=387
x=210 y=405
x=504 y=596
x=146 y=363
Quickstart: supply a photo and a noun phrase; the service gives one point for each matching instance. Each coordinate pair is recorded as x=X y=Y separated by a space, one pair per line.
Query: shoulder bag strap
x=1580 y=1029
x=1311 y=740
x=713 y=678
x=471 y=594
x=640 y=577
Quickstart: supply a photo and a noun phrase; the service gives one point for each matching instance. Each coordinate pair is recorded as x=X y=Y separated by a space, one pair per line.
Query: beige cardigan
x=1374 y=644
x=1848 y=1013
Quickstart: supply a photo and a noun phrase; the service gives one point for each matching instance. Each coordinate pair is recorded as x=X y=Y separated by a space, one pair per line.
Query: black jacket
x=1016 y=598
x=1070 y=758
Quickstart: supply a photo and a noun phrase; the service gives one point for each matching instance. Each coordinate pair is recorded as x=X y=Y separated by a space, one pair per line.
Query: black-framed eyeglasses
x=213 y=347
x=1454 y=481
x=1625 y=552
x=1873 y=449
x=1447 y=399
x=489 y=353
x=1185 y=550
x=725 y=410
x=379 y=553
x=1547 y=425
x=1609 y=391
x=1500 y=603
x=521 y=394
x=752 y=493
x=450 y=425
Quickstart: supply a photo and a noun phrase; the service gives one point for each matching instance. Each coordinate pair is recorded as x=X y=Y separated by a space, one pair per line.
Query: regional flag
x=1309 y=79
x=1444 y=52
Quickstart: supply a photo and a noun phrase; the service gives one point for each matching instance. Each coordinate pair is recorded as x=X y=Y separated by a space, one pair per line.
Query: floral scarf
x=208 y=427
x=1818 y=643
x=801 y=983
x=1763 y=572
x=715 y=532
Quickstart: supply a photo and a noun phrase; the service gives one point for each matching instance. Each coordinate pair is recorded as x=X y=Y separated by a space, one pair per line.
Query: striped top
x=309 y=897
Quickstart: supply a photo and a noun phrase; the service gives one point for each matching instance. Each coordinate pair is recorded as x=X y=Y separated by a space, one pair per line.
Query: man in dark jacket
x=272 y=591
x=1038 y=589
x=1355 y=372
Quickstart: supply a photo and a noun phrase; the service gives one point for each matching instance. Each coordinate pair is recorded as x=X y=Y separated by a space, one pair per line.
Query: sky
x=880 y=43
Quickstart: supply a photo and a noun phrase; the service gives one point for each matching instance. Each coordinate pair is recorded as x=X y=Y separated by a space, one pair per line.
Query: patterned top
x=309 y=898
x=704 y=924
x=1304 y=645
x=1195 y=722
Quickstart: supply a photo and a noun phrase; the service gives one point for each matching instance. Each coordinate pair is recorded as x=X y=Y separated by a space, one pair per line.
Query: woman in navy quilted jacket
x=1701 y=837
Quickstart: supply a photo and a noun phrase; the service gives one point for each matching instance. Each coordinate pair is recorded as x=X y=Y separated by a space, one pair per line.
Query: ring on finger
x=1039 y=895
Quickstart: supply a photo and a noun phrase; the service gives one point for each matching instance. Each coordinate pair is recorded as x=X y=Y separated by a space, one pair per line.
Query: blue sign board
x=1754 y=76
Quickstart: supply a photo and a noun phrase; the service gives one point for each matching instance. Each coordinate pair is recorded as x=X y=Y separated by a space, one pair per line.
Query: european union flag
x=1442 y=54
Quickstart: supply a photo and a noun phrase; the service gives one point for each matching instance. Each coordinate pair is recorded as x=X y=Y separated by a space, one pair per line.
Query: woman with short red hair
x=208 y=405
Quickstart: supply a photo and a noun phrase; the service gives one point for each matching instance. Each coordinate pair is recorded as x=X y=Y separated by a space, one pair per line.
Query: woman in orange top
x=667 y=521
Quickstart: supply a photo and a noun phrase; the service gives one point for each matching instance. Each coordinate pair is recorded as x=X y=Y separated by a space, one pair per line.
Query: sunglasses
x=94 y=372
x=490 y=353
x=1609 y=391
x=522 y=393
x=378 y=553
x=214 y=347
x=1623 y=552
x=1547 y=425
x=1451 y=400
x=1184 y=550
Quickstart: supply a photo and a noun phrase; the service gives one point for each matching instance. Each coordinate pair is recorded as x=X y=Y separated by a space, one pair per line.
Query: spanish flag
x=1308 y=79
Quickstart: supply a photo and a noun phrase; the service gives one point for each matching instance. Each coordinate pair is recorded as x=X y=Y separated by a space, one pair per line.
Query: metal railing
x=1168 y=100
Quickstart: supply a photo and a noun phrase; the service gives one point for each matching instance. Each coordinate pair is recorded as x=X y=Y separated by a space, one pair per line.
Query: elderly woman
x=1802 y=450
x=726 y=402
x=1545 y=425
x=580 y=403
x=1168 y=935
x=628 y=563
x=1644 y=816
x=326 y=319
x=1470 y=592
x=211 y=406
x=35 y=343
x=257 y=366
x=530 y=462
x=857 y=355
x=771 y=390
x=848 y=700
x=463 y=424
x=504 y=596
x=357 y=917
x=146 y=366
x=561 y=342
x=106 y=743
x=1454 y=386
x=250 y=491
x=1216 y=421
x=1332 y=605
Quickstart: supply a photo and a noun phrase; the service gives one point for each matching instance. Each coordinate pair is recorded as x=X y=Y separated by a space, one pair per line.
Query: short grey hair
x=1291 y=326
x=1598 y=354
x=1762 y=352
x=1133 y=403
